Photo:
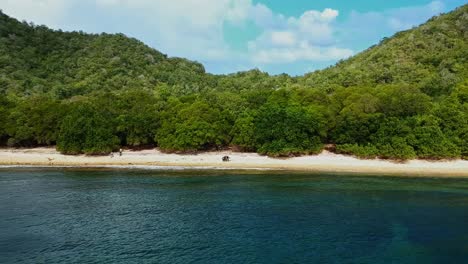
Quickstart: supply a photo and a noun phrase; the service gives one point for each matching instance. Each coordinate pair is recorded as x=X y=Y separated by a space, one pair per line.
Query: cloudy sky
x=276 y=36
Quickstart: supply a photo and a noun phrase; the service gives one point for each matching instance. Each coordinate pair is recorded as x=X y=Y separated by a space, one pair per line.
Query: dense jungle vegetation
x=404 y=98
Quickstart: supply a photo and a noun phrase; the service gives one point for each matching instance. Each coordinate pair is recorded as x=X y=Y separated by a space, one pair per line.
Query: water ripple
x=118 y=216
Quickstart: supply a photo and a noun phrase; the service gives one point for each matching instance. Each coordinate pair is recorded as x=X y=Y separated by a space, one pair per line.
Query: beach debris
x=226 y=159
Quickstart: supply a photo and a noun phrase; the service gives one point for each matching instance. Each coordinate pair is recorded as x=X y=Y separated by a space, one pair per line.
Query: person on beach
x=120 y=152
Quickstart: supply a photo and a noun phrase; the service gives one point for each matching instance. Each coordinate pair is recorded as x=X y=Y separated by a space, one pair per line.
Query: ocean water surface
x=149 y=216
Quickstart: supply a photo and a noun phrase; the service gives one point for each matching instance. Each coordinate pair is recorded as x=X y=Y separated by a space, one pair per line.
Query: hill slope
x=37 y=59
x=433 y=56
x=404 y=98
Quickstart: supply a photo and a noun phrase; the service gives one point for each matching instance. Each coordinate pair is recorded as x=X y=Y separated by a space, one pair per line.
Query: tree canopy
x=406 y=97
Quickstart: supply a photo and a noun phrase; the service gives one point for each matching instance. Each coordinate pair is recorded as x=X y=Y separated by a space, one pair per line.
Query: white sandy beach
x=324 y=162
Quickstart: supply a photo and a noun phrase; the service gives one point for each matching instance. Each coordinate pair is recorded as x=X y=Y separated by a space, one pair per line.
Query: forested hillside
x=433 y=56
x=404 y=98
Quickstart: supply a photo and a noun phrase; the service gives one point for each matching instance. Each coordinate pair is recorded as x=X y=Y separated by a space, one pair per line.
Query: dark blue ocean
x=138 y=216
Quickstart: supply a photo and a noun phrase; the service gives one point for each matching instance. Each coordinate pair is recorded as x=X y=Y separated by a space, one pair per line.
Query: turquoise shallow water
x=124 y=216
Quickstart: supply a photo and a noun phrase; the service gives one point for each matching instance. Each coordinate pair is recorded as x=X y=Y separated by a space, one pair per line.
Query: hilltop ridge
x=433 y=56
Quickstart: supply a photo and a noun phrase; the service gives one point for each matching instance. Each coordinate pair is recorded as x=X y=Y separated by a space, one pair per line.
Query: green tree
x=284 y=129
x=243 y=132
x=87 y=129
x=34 y=121
x=137 y=116
x=191 y=127
x=429 y=141
x=5 y=106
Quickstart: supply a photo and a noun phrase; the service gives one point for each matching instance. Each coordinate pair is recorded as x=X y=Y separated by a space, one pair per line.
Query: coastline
x=325 y=162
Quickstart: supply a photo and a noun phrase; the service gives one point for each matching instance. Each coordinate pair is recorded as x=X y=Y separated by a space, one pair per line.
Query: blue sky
x=277 y=36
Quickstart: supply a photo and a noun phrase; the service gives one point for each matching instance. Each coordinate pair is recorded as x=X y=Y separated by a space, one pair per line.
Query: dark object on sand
x=226 y=158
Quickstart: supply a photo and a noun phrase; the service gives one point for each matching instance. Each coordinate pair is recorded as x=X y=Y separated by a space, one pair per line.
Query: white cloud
x=436 y=6
x=188 y=28
x=48 y=12
x=315 y=25
x=262 y=16
x=283 y=38
x=303 y=52
x=405 y=18
x=370 y=23
x=313 y=16
x=238 y=11
x=329 y=14
x=309 y=37
x=194 y=29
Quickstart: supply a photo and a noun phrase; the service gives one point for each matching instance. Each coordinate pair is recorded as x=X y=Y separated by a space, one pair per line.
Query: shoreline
x=325 y=162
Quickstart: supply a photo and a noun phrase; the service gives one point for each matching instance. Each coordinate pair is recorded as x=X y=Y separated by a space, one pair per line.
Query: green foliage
x=37 y=60
x=4 y=113
x=284 y=128
x=137 y=116
x=462 y=143
x=34 y=121
x=367 y=151
x=404 y=98
x=87 y=129
x=243 y=132
x=191 y=127
x=453 y=116
x=356 y=115
x=402 y=101
x=431 y=57
x=430 y=142
x=391 y=139
x=396 y=148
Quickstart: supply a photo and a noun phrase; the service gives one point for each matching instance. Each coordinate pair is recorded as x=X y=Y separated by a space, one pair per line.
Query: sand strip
x=324 y=162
